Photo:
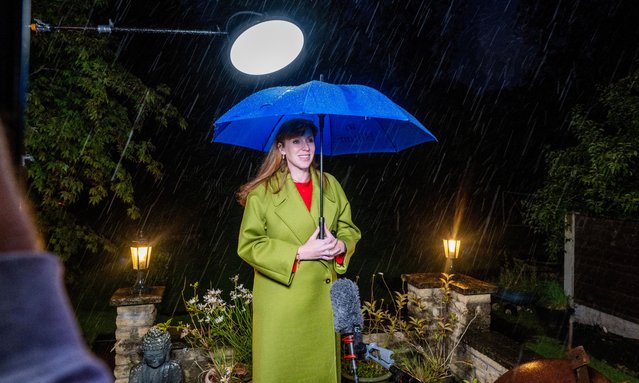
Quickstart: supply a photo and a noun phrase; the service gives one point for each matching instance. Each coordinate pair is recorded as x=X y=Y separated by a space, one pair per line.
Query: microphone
x=347 y=319
x=346 y=306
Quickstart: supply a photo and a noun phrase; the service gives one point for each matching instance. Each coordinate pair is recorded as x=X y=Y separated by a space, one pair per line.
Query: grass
x=553 y=348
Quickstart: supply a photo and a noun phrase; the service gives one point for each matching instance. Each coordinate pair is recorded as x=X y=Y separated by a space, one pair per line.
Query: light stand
x=262 y=47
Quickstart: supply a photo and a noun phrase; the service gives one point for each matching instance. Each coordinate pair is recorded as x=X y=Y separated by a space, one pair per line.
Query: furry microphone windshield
x=346 y=306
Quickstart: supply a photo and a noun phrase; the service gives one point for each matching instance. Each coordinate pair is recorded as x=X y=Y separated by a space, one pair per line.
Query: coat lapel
x=290 y=207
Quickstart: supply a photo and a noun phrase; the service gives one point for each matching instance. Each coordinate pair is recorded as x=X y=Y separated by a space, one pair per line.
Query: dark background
x=493 y=80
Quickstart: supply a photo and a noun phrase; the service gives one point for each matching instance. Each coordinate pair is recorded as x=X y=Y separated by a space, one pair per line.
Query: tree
x=88 y=123
x=598 y=175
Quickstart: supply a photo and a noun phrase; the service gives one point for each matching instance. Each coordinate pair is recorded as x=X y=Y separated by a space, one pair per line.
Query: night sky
x=494 y=81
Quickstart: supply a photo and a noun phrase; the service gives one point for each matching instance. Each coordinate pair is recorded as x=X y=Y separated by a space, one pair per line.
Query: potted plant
x=517 y=282
x=222 y=329
x=368 y=371
x=553 y=306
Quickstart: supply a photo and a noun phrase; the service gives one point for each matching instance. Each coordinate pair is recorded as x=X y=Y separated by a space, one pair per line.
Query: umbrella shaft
x=321 y=202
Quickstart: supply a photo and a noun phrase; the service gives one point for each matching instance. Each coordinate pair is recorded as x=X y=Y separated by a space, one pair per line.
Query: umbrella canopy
x=351 y=119
x=355 y=119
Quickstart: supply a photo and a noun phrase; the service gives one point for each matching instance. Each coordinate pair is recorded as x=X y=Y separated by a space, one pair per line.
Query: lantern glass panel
x=141 y=257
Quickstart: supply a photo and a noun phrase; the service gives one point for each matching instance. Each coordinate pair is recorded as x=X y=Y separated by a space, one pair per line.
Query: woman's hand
x=325 y=249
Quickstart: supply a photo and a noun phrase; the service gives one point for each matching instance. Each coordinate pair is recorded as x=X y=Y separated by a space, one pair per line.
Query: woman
x=294 y=339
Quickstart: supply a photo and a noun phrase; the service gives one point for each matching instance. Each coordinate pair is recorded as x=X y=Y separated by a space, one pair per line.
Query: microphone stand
x=348 y=340
x=356 y=349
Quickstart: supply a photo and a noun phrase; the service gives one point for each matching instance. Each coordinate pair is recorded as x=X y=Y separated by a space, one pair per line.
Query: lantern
x=140 y=259
x=451 y=248
x=451 y=251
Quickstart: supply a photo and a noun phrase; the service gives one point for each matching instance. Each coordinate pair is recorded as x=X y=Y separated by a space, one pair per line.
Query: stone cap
x=125 y=297
x=461 y=283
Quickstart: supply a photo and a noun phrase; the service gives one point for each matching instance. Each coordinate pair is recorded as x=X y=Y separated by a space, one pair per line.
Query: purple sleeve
x=40 y=338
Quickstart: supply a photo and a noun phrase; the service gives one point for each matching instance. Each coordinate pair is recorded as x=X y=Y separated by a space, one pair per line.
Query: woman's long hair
x=273 y=162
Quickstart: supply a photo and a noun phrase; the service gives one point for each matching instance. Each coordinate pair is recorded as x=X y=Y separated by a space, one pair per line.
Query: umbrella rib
x=388 y=137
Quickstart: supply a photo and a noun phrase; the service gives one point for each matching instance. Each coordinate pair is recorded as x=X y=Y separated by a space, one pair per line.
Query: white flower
x=185 y=331
x=226 y=378
x=219 y=319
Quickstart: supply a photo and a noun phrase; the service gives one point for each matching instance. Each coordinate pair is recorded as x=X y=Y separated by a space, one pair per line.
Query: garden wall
x=601 y=272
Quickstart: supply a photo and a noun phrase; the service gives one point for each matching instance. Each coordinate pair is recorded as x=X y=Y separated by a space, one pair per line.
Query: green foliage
x=598 y=175
x=87 y=119
x=551 y=295
x=365 y=369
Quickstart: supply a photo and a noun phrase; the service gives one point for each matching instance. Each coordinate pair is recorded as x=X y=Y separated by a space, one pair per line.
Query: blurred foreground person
x=41 y=341
x=294 y=340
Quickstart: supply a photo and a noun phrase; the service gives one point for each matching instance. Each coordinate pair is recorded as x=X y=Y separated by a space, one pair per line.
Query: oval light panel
x=267 y=47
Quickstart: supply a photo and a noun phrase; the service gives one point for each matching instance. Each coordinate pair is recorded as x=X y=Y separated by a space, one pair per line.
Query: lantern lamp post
x=451 y=251
x=140 y=259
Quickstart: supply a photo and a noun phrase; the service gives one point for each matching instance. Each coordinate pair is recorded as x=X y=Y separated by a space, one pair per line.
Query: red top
x=306 y=192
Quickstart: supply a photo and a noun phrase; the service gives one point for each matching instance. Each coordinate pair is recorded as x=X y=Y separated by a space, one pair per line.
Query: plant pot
x=383 y=378
x=368 y=368
x=213 y=376
x=514 y=296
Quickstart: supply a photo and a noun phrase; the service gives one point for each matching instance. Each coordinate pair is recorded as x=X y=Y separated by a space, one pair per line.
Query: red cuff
x=338 y=258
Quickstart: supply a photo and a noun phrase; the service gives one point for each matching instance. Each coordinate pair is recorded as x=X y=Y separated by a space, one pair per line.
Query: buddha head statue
x=156 y=345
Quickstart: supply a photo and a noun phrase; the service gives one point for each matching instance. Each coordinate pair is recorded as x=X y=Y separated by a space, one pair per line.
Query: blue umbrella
x=351 y=119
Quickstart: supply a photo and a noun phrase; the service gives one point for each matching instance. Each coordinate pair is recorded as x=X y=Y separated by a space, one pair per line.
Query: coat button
x=327 y=281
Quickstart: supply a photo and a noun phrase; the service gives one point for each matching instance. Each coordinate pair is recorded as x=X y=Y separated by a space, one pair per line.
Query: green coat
x=294 y=340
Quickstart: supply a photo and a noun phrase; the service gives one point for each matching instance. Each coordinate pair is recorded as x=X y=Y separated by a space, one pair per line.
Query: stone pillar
x=136 y=314
x=470 y=296
x=470 y=302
